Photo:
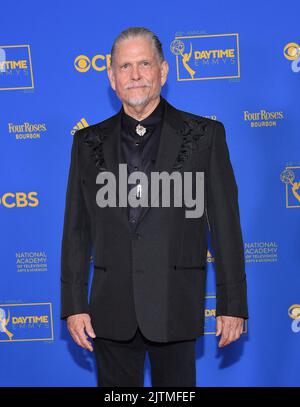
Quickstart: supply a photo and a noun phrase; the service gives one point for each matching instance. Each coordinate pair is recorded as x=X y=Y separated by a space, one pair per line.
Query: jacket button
x=137 y=236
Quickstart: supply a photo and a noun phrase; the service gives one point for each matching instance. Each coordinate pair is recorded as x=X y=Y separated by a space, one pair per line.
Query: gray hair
x=133 y=32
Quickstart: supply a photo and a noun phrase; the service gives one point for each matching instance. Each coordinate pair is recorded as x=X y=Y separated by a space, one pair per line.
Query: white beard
x=137 y=101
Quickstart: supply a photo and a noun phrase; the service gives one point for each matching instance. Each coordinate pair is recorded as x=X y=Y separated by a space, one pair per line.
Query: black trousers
x=121 y=363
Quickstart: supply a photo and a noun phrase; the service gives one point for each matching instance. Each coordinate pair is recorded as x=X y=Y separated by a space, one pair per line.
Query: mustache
x=137 y=85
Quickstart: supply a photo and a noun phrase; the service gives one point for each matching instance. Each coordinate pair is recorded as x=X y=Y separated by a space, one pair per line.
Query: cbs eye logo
x=99 y=63
x=291 y=52
x=19 y=199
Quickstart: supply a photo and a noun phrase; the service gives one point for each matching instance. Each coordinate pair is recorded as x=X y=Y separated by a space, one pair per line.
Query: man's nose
x=135 y=72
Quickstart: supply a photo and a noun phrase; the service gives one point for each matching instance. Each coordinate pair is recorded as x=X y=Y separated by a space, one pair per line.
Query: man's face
x=138 y=74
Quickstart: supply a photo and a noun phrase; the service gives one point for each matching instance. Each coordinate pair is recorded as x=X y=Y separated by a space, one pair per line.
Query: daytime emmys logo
x=138 y=196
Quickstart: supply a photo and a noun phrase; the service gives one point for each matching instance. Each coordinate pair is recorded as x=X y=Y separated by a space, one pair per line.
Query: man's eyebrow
x=140 y=60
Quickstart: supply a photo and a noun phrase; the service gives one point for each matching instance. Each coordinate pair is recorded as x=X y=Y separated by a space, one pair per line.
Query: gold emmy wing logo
x=3 y=323
x=201 y=57
x=292 y=192
x=177 y=48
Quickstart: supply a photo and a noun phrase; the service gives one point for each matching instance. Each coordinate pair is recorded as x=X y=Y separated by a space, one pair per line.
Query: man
x=149 y=278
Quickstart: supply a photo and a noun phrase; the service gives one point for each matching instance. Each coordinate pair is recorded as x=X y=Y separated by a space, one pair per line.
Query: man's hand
x=76 y=325
x=231 y=329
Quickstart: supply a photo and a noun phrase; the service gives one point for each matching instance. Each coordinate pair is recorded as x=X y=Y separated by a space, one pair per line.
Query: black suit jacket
x=154 y=276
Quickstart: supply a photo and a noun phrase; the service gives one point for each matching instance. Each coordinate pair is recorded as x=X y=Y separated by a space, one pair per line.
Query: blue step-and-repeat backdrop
x=234 y=62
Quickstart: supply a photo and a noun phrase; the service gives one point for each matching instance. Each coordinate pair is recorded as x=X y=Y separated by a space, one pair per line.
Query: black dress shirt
x=139 y=152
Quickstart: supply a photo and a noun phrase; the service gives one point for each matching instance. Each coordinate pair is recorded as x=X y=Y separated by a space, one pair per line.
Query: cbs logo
x=99 y=63
x=291 y=51
x=19 y=199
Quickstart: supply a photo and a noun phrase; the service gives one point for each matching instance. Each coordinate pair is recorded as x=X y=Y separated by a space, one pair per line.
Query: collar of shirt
x=150 y=122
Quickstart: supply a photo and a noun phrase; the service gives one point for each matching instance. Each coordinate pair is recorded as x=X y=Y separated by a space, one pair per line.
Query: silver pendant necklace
x=140 y=130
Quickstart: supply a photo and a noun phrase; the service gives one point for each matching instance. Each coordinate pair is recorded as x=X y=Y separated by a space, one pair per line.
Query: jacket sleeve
x=225 y=228
x=75 y=247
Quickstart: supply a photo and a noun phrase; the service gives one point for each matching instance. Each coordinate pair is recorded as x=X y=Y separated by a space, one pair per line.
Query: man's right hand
x=76 y=325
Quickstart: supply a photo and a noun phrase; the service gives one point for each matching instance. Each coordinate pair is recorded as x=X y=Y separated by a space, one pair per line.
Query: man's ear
x=111 y=77
x=164 y=72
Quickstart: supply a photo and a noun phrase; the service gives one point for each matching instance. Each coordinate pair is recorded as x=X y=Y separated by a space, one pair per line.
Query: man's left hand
x=231 y=329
